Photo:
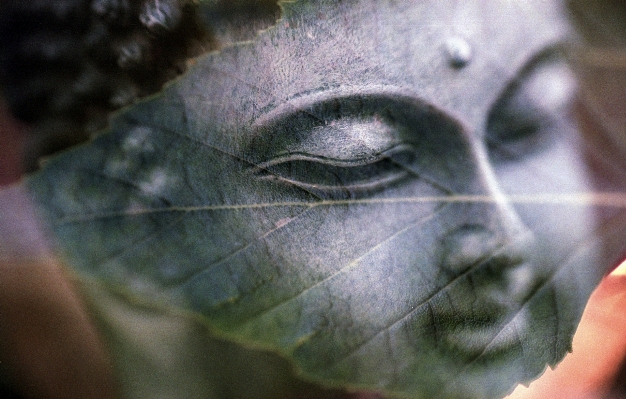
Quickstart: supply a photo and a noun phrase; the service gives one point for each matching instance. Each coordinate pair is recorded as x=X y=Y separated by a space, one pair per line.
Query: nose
x=471 y=245
x=499 y=266
x=486 y=229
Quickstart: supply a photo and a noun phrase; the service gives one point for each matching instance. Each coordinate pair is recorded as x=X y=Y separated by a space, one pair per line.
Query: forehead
x=331 y=48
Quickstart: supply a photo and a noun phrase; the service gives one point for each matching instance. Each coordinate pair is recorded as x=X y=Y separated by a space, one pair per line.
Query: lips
x=489 y=323
x=480 y=312
x=472 y=335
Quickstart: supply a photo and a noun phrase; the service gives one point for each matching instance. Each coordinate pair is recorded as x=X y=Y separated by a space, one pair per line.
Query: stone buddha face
x=374 y=186
x=398 y=164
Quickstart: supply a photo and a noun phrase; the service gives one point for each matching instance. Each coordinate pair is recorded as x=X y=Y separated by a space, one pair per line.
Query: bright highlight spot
x=620 y=270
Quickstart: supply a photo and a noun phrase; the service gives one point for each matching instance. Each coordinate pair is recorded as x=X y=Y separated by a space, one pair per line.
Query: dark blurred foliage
x=66 y=64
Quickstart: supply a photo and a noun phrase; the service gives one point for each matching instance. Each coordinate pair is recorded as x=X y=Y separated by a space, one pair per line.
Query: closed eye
x=343 y=145
x=340 y=177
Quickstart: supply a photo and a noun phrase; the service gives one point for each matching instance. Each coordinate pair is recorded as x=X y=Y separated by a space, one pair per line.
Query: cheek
x=554 y=185
x=326 y=236
x=549 y=192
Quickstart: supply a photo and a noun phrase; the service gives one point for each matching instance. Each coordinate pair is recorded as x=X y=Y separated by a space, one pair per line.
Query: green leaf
x=344 y=193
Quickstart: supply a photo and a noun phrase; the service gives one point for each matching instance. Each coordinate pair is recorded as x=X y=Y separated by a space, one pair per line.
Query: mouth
x=489 y=325
x=484 y=333
x=483 y=310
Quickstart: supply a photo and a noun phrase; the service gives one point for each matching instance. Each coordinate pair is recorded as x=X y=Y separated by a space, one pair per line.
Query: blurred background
x=65 y=66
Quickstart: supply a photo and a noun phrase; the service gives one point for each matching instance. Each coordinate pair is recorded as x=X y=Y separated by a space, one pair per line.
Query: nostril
x=502 y=266
x=466 y=246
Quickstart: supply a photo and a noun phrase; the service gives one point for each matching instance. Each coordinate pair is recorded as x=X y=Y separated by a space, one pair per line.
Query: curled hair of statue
x=66 y=65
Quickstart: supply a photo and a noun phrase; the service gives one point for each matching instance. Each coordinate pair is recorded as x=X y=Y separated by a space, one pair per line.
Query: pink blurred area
x=49 y=347
x=599 y=350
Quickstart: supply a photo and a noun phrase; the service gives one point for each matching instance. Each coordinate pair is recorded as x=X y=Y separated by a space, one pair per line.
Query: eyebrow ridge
x=324 y=98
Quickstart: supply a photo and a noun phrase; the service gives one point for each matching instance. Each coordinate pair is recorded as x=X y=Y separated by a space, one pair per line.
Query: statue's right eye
x=333 y=177
x=352 y=146
x=349 y=156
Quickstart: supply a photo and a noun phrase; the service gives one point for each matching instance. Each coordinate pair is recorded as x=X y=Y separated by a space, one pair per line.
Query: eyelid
x=345 y=140
x=526 y=116
x=359 y=121
x=298 y=156
x=275 y=151
x=312 y=158
x=316 y=99
x=333 y=178
x=530 y=80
